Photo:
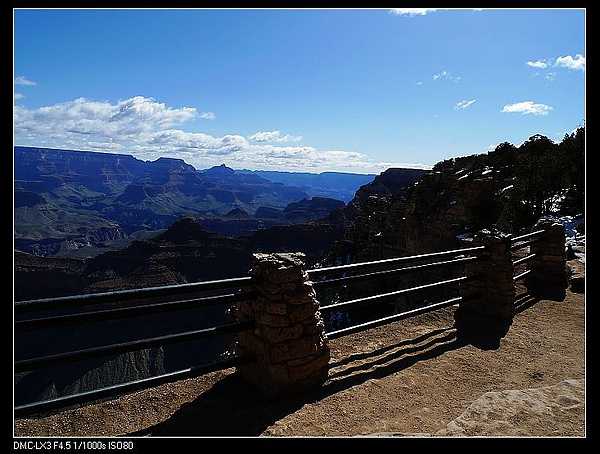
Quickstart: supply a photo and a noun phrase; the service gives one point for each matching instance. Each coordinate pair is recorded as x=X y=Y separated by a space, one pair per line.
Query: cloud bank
x=148 y=129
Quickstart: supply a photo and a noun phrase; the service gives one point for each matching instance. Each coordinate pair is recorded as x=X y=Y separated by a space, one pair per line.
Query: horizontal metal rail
x=117 y=390
x=525 y=240
x=524 y=259
x=523 y=244
x=382 y=274
x=123 y=295
x=124 y=347
x=521 y=275
x=387 y=263
x=527 y=236
x=392 y=318
x=385 y=296
x=119 y=313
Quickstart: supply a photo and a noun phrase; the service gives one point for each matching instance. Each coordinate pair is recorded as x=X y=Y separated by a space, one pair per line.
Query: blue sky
x=352 y=90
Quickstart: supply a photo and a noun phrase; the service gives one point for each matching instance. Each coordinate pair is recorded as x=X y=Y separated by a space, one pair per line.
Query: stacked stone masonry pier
x=291 y=350
x=548 y=265
x=492 y=292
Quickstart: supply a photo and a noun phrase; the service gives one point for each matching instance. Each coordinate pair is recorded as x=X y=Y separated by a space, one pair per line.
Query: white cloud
x=540 y=64
x=22 y=80
x=208 y=115
x=172 y=140
x=446 y=75
x=577 y=63
x=129 y=119
x=464 y=104
x=526 y=108
x=144 y=113
x=273 y=136
x=412 y=11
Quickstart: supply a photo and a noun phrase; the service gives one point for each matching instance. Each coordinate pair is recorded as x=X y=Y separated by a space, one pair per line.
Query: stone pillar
x=292 y=352
x=493 y=291
x=548 y=267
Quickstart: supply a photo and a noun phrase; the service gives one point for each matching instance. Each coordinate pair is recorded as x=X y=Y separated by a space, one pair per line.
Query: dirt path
x=423 y=377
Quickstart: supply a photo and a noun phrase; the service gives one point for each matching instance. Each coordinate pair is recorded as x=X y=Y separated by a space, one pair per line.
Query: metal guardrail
x=63 y=402
x=119 y=313
x=127 y=295
x=397 y=266
x=321 y=277
x=125 y=347
x=389 y=263
x=393 y=318
x=522 y=242
x=27 y=321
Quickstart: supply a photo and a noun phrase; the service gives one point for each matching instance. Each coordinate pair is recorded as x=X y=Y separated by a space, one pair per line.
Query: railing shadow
x=388 y=360
x=233 y=407
x=524 y=301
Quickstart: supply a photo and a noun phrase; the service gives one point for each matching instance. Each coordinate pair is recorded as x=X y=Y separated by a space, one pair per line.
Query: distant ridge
x=336 y=185
x=82 y=203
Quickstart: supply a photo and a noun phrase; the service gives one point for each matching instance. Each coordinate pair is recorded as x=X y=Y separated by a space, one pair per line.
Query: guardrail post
x=291 y=350
x=548 y=267
x=492 y=290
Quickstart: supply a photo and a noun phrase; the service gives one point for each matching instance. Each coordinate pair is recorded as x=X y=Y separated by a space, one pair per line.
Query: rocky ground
x=425 y=377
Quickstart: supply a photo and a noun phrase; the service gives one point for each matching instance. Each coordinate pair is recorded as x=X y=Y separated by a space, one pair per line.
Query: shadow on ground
x=233 y=407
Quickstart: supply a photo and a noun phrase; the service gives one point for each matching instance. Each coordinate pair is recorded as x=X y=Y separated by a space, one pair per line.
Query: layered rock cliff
x=433 y=213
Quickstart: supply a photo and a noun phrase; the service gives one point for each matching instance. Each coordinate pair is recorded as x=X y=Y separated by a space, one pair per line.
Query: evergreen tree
x=572 y=150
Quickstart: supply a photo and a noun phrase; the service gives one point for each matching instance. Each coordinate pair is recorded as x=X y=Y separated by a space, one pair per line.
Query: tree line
x=543 y=177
